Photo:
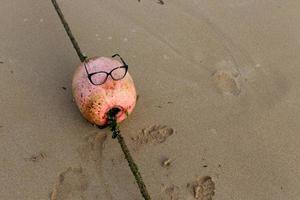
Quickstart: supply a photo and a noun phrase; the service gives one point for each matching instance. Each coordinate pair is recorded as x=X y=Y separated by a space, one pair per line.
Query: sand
x=218 y=85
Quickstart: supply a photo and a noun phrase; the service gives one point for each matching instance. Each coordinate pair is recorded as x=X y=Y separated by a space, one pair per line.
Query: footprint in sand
x=203 y=188
x=227 y=79
x=227 y=82
x=170 y=192
x=91 y=154
x=71 y=185
x=153 y=135
x=92 y=149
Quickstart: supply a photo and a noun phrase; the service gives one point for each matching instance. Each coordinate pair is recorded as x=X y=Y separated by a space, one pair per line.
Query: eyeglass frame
x=107 y=73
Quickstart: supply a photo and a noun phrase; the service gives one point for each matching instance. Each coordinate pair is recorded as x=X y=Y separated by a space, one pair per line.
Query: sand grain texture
x=222 y=75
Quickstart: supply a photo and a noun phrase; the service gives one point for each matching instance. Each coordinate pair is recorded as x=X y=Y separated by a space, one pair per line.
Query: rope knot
x=112 y=121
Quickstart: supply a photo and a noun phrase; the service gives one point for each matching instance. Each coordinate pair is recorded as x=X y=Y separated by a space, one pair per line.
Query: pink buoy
x=100 y=84
x=105 y=94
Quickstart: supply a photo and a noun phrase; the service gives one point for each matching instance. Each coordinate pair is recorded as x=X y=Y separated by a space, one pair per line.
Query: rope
x=112 y=121
x=81 y=56
x=111 y=114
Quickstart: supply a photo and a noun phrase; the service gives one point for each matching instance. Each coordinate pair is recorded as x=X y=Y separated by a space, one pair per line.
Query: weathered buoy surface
x=94 y=101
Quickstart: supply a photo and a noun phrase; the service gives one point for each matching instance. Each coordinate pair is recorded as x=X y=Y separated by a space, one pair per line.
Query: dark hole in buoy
x=113 y=111
x=110 y=117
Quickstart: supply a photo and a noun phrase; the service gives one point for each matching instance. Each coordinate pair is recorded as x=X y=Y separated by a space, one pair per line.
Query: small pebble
x=38 y=157
x=166 y=162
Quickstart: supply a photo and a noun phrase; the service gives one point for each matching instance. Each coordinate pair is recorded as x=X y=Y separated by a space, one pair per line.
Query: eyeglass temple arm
x=85 y=67
x=120 y=58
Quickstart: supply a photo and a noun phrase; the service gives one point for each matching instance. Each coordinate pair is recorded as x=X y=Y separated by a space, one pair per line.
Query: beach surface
x=217 y=115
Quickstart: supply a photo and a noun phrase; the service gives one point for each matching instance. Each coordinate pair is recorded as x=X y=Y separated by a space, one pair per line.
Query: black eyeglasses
x=118 y=73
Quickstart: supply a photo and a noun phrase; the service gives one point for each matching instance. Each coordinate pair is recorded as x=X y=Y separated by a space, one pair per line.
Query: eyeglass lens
x=118 y=73
x=99 y=78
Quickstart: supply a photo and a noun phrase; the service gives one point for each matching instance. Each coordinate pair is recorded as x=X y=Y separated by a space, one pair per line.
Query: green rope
x=112 y=121
x=81 y=56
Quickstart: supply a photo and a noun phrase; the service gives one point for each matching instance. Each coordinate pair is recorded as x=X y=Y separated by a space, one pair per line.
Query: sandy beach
x=217 y=115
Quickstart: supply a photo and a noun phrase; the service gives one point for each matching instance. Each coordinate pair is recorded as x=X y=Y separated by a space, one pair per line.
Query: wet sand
x=218 y=109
